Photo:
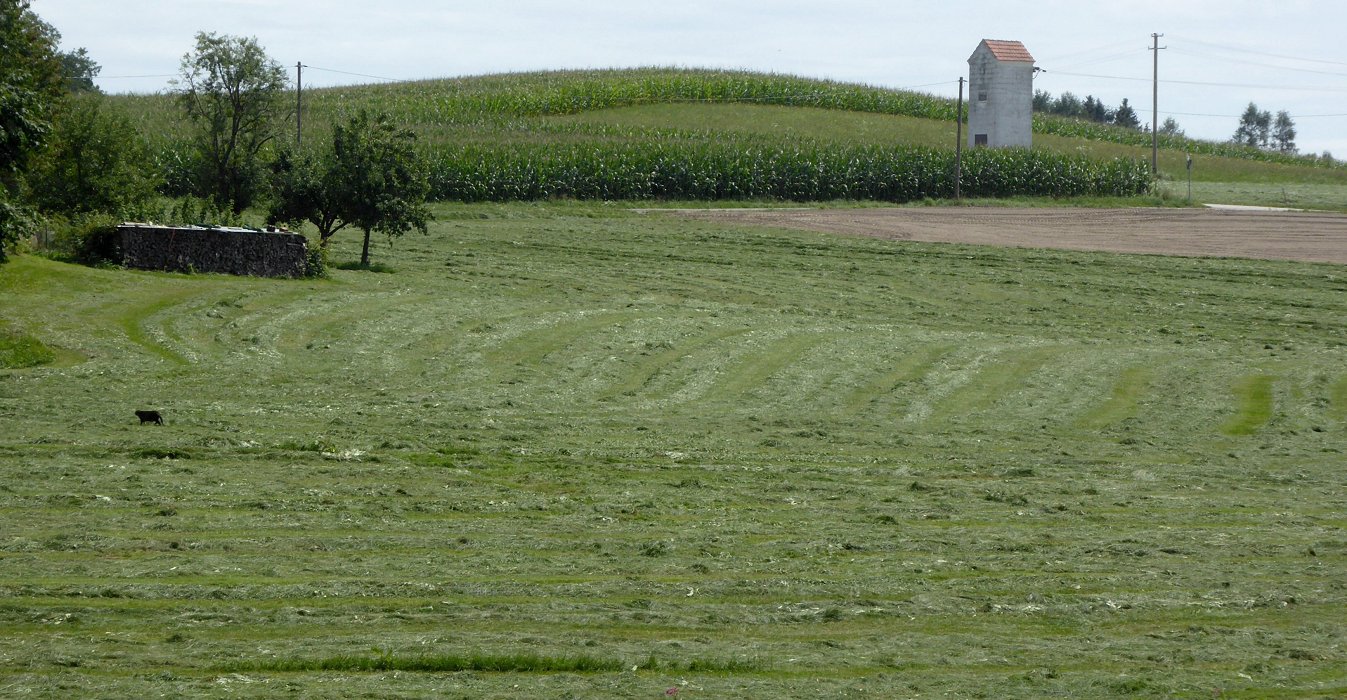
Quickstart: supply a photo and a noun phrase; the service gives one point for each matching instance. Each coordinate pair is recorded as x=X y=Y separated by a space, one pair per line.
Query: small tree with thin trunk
x=371 y=179
x=233 y=92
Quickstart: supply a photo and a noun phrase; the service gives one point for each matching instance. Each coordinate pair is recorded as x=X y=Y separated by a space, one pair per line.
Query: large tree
x=233 y=93
x=31 y=85
x=371 y=179
x=95 y=161
x=79 y=71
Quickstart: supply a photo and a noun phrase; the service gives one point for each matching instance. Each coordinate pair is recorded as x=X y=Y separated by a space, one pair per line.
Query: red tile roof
x=1008 y=50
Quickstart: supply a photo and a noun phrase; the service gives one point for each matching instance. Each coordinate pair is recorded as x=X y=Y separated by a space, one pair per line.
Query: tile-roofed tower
x=1000 y=94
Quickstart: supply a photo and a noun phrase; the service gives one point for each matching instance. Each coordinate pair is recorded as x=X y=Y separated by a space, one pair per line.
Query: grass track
x=1130 y=387
x=911 y=367
x=1253 y=396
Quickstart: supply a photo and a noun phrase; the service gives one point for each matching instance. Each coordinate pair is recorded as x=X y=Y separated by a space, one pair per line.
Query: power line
x=914 y=87
x=1237 y=116
x=1257 y=63
x=1086 y=52
x=1204 y=83
x=119 y=77
x=362 y=75
x=1261 y=53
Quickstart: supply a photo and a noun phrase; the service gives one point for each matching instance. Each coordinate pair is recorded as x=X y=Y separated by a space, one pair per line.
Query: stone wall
x=233 y=251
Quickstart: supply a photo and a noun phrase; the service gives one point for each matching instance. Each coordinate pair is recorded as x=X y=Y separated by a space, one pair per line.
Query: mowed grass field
x=568 y=450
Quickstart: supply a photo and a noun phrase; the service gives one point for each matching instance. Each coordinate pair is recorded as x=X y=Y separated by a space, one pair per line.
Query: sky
x=1217 y=56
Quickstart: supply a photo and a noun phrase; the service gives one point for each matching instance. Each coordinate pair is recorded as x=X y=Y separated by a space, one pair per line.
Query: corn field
x=713 y=171
x=497 y=138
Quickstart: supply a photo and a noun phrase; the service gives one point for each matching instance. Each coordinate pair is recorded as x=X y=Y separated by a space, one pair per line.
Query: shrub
x=88 y=238
x=17 y=223
x=317 y=263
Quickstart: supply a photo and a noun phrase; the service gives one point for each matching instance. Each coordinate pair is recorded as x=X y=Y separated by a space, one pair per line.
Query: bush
x=91 y=239
x=191 y=211
x=96 y=161
x=17 y=223
x=317 y=262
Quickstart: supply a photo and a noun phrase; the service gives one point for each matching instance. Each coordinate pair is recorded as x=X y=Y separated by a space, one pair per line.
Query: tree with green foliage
x=1125 y=116
x=1068 y=105
x=79 y=71
x=371 y=179
x=1170 y=128
x=31 y=87
x=1284 y=133
x=232 y=91
x=96 y=161
x=1095 y=110
x=1042 y=101
x=1254 y=128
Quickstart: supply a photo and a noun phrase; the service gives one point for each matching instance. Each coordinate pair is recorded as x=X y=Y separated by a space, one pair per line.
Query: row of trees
x=67 y=154
x=369 y=177
x=1258 y=129
x=1091 y=109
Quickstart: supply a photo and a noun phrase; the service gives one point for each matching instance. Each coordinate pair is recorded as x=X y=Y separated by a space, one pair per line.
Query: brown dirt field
x=1275 y=235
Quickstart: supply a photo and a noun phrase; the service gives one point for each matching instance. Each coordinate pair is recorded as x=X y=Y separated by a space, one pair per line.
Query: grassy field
x=569 y=450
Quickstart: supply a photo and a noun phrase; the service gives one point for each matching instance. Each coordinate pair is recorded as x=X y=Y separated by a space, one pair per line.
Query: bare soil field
x=1274 y=235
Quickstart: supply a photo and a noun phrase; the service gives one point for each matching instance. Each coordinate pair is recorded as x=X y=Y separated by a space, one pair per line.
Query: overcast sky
x=1220 y=56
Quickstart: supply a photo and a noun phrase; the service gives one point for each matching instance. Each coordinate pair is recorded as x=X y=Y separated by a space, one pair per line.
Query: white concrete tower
x=1000 y=95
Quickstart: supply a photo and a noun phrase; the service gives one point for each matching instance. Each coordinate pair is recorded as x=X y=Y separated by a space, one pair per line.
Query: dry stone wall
x=233 y=251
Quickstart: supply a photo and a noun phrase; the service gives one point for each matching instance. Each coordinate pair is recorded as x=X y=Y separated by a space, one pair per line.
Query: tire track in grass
x=645 y=371
x=201 y=327
x=913 y=366
x=991 y=383
x=531 y=348
x=1253 y=395
x=757 y=368
x=133 y=323
x=1132 y=383
x=1337 y=399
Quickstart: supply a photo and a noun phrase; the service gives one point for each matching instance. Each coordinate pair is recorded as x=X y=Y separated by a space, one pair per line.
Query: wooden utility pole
x=1155 y=103
x=958 y=142
x=299 y=102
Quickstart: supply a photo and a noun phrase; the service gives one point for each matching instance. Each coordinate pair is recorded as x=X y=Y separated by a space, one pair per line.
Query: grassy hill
x=569 y=450
x=523 y=134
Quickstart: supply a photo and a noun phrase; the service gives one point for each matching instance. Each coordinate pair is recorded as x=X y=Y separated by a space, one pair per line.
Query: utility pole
x=1155 y=103
x=299 y=102
x=958 y=143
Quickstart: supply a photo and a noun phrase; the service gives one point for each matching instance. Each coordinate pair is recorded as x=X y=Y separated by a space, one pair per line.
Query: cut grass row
x=491 y=663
